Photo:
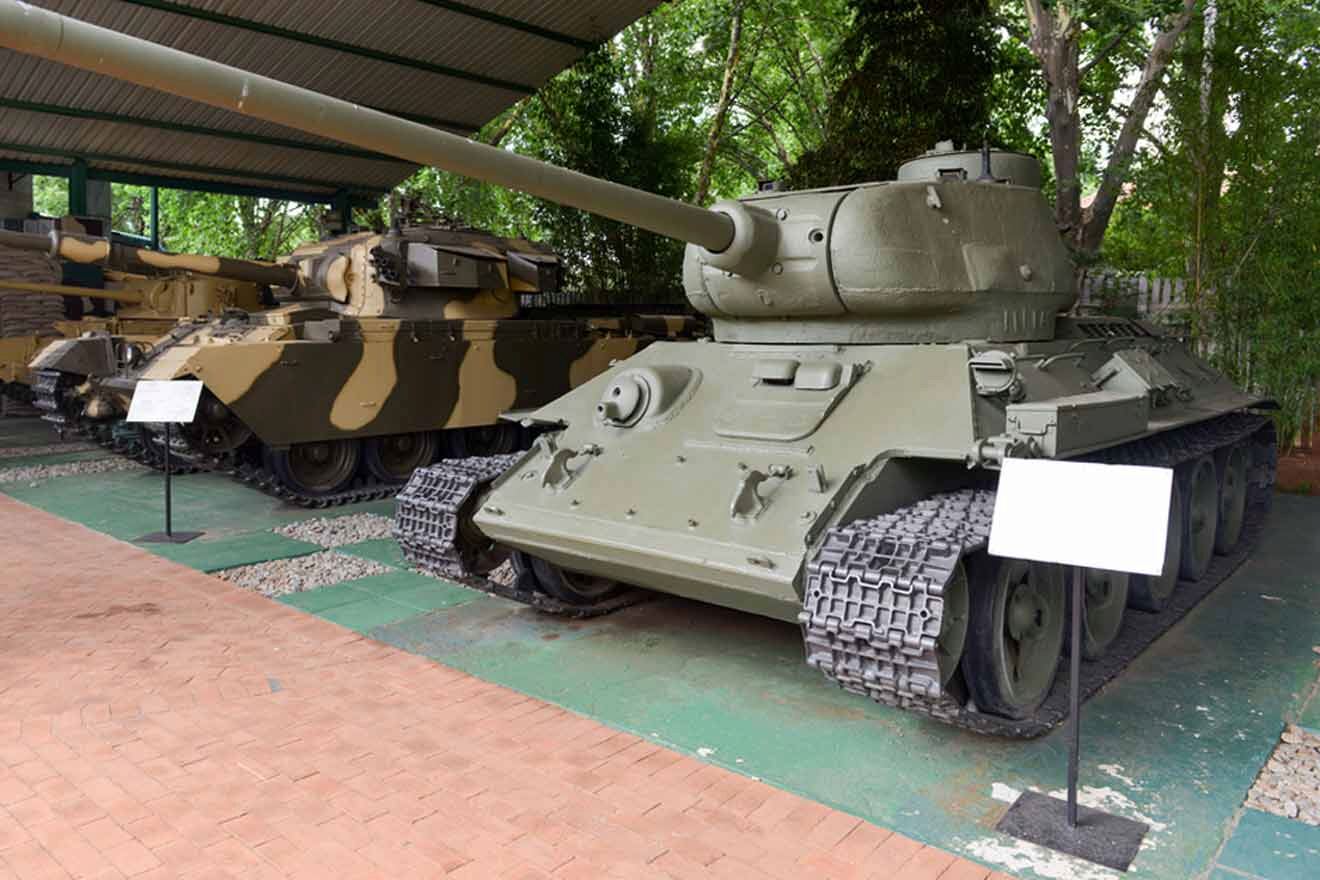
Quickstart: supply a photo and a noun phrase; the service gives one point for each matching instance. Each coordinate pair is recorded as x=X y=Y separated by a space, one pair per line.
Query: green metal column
x=343 y=206
x=155 y=218
x=78 y=188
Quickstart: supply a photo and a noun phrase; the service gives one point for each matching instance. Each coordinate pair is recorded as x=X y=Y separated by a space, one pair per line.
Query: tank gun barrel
x=80 y=249
x=126 y=297
x=76 y=43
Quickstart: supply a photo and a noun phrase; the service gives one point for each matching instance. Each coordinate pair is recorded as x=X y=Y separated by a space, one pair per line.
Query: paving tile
x=382 y=550
x=368 y=613
x=234 y=550
x=1273 y=847
x=323 y=598
x=172 y=725
x=432 y=594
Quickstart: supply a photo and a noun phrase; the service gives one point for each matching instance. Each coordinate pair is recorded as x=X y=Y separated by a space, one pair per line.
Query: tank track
x=48 y=388
x=122 y=439
x=874 y=589
x=426 y=520
x=426 y=525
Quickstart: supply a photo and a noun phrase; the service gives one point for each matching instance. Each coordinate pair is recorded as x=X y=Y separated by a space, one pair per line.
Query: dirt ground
x=1299 y=471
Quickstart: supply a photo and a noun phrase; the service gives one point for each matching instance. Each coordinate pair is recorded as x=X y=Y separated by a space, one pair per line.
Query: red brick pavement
x=161 y=723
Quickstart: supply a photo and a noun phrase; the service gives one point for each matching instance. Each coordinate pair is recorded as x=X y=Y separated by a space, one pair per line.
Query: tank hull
x=301 y=380
x=665 y=503
x=370 y=378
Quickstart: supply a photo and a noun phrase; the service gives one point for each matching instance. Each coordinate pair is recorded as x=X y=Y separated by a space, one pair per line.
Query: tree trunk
x=722 y=108
x=510 y=120
x=1053 y=40
x=1111 y=184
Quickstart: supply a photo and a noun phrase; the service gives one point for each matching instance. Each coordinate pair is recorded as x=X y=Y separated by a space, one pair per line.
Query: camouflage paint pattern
x=411 y=331
x=148 y=308
x=299 y=381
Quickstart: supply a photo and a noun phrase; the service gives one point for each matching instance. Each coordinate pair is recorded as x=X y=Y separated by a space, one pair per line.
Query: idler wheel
x=1015 y=635
x=216 y=430
x=500 y=438
x=1202 y=520
x=1232 y=498
x=317 y=469
x=953 y=625
x=1150 y=592
x=1105 y=598
x=393 y=458
x=568 y=587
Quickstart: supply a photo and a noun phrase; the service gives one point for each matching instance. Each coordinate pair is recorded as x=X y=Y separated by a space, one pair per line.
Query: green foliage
x=224 y=225
x=912 y=72
x=1227 y=200
x=639 y=111
x=50 y=196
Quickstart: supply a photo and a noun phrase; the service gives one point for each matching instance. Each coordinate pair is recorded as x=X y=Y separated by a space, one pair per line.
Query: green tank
x=830 y=457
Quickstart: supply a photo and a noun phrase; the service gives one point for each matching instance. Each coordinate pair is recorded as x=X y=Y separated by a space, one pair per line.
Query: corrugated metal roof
x=454 y=63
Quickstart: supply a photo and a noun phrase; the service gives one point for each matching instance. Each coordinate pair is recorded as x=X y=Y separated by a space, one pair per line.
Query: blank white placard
x=1105 y=516
x=156 y=400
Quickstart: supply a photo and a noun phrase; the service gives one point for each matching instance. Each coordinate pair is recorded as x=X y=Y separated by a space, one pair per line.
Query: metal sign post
x=1109 y=517
x=168 y=403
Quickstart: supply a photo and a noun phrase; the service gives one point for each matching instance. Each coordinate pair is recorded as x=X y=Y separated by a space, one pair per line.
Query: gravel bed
x=46 y=449
x=34 y=474
x=1289 y=783
x=280 y=577
x=339 y=531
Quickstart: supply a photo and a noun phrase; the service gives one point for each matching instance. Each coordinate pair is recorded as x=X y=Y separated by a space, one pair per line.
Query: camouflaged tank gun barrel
x=70 y=41
x=129 y=298
x=99 y=251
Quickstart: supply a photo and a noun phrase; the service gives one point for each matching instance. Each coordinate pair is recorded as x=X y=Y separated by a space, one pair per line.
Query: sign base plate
x=1099 y=837
x=163 y=538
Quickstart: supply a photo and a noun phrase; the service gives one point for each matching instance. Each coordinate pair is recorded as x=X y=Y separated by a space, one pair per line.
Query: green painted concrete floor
x=1177 y=742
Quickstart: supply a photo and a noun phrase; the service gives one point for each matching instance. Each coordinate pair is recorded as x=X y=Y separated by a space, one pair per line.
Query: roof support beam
x=185 y=128
x=326 y=43
x=177 y=166
x=179 y=183
x=512 y=23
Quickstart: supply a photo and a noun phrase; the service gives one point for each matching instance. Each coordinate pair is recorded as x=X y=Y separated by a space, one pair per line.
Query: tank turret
x=923 y=259
x=415 y=273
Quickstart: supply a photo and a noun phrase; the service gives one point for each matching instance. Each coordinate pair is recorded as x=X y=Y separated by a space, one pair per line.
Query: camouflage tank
x=830 y=458
x=147 y=307
x=379 y=352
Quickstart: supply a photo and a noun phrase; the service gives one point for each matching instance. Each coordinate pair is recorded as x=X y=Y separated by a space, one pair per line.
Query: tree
x=1056 y=35
x=911 y=72
x=1220 y=194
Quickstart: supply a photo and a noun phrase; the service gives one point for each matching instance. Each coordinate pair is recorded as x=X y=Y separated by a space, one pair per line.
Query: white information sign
x=1104 y=516
x=165 y=401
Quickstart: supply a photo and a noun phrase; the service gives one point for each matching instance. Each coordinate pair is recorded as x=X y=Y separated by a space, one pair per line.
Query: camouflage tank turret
x=830 y=457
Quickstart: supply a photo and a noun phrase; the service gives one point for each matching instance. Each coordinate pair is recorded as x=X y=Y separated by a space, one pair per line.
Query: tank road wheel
x=568 y=587
x=1015 y=635
x=953 y=625
x=500 y=438
x=317 y=469
x=1232 y=498
x=1199 y=526
x=1148 y=592
x=393 y=458
x=1106 y=596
